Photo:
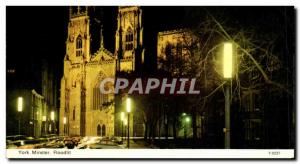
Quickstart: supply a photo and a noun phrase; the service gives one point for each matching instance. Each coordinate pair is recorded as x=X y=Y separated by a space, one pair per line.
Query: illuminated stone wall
x=83 y=108
x=174 y=42
x=82 y=74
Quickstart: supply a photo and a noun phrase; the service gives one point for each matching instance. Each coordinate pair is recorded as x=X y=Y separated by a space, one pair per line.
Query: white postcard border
x=152 y=153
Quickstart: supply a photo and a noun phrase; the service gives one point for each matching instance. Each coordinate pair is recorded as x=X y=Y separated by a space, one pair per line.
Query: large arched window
x=78 y=46
x=98 y=130
x=99 y=99
x=129 y=40
x=103 y=130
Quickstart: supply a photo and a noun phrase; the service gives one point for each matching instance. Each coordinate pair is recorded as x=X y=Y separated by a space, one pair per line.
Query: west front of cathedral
x=84 y=110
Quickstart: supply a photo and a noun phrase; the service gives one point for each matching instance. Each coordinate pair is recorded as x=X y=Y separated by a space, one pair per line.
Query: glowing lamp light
x=128 y=105
x=44 y=118
x=65 y=120
x=52 y=115
x=227 y=60
x=20 y=104
x=187 y=119
x=125 y=122
x=122 y=116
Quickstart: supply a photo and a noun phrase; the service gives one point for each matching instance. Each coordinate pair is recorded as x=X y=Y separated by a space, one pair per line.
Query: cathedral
x=84 y=110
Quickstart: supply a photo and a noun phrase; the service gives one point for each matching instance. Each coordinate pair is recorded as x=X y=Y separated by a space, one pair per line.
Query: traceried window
x=78 y=46
x=99 y=99
x=129 y=40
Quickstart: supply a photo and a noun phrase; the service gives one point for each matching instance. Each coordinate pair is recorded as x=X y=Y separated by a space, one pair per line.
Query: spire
x=70 y=12
x=78 y=10
x=101 y=35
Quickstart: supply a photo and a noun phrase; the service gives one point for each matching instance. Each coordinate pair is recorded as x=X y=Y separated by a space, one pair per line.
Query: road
x=84 y=143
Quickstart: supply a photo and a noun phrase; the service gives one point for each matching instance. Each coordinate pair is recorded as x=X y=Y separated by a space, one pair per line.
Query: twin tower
x=128 y=37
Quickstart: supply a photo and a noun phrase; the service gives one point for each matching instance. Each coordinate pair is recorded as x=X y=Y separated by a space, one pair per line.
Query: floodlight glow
x=227 y=60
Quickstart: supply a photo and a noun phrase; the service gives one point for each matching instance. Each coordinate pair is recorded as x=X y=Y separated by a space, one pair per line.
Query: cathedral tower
x=73 y=84
x=129 y=39
x=84 y=110
x=78 y=42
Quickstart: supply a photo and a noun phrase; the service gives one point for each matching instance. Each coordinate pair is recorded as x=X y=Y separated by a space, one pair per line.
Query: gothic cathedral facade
x=84 y=110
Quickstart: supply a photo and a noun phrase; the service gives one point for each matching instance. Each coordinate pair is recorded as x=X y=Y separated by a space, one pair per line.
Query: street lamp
x=125 y=124
x=128 y=109
x=122 y=120
x=227 y=60
x=44 y=120
x=52 y=115
x=227 y=73
x=65 y=121
x=52 y=119
x=20 y=109
x=186 y=120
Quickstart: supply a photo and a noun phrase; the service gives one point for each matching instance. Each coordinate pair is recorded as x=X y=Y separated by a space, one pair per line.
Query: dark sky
x=34 y=34
x=37 y=34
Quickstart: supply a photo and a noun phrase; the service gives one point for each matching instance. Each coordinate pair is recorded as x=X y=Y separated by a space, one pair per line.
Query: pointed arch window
x=129 y=40
x=99 y=99
x=98 y=130
x=103 y=130
x=79 y=46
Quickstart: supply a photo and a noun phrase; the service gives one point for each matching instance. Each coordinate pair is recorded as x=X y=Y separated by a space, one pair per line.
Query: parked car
x=71 y=141
x=18 y=140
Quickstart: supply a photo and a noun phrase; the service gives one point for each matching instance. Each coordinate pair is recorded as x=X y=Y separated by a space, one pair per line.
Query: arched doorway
x=103 y=130
x=98 y=130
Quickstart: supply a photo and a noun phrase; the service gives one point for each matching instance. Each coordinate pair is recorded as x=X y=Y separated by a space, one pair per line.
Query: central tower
x=129 y=41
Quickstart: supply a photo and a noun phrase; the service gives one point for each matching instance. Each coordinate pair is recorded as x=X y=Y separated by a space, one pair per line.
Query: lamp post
x=128 y=109
x=44 y=120
x=227 y=73
x=65 y=121
x=52 y=119
x=125 y=124
x=186 y=120
x=20 y=109
x=122 y=120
